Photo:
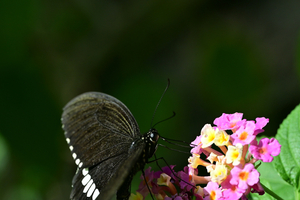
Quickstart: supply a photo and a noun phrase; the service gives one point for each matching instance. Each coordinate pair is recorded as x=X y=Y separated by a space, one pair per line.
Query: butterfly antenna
x=173 y=149
x=164 y=119
x=176 y=142
x=159 y=103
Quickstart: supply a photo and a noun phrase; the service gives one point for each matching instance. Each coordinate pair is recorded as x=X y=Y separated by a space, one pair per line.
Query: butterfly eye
x=152 y=138
x=153 y=135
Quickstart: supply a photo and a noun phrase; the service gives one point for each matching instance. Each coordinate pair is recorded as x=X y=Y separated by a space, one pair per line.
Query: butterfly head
x=151 y=139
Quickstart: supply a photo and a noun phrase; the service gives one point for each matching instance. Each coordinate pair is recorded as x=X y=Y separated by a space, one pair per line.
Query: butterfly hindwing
x=133 y=163
x=103 y=180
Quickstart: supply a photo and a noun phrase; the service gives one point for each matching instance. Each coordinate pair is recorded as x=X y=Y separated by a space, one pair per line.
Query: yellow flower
x=199 y=190
x=219 y=173
x=221 y=138
x=234 y=154
x=138 y=196
x=208 y=134
x=212 y=157
x=195 y=160
x=164 y=179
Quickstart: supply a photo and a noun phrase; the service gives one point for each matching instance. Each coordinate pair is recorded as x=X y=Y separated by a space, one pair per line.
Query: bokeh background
x=221 y=56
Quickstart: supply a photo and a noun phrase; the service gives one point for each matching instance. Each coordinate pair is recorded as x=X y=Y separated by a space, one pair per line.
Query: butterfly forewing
x=101 y=133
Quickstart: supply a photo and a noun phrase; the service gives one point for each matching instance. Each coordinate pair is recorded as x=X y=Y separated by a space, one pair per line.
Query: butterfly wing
x=103 y=180
x=101 y=132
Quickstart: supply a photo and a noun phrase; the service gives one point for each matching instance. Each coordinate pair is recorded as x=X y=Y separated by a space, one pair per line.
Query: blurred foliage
x=3 y=155
x=221 y=56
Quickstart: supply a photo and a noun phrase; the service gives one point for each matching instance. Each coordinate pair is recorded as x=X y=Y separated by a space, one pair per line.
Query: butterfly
x=106 y=145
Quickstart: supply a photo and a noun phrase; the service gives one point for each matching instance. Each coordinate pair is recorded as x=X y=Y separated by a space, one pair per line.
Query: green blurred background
x=221 y=56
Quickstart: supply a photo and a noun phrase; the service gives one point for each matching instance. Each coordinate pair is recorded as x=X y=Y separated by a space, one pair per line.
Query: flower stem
x=267 y=190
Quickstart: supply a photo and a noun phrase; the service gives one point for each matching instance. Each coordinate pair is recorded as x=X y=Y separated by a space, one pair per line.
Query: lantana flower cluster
x=165 y=185
x=229 y=151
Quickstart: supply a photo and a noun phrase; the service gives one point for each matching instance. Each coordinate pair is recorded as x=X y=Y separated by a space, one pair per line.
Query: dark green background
x=221 y=56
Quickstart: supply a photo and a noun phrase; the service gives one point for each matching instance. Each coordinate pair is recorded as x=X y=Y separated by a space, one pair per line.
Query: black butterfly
x=106 y=144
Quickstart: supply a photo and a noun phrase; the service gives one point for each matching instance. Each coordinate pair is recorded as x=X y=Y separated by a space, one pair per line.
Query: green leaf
x=270 y=178
x=287 y=163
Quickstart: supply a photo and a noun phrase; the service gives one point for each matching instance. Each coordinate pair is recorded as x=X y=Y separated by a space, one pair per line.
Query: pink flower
x=257 y=188
x=197 y=146
x=167 y=170
x=260 y=123
x=143 y=189
x=245 y=134
x=184 y=180
x=198 y=197
x=231 y=192
x=244 y=177
x=212 y=191
x=229 y=121
x=173 y=198
x=265 y=149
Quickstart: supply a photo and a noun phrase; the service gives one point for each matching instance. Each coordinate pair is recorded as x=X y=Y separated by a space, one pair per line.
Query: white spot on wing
x=80 y=165
x=96 y=194
x=71 y=148
x=85 y=171
x=68 y=140
x=91 y=190
x=86 y=179
x=132 y=144
x=86 y=188
x=77 y=161
x=74 y=155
